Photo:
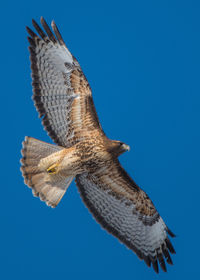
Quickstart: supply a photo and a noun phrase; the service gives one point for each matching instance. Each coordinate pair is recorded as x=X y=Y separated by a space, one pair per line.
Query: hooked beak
x=126 y=147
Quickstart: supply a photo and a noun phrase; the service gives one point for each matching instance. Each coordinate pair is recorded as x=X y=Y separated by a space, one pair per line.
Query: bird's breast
x=92 y=155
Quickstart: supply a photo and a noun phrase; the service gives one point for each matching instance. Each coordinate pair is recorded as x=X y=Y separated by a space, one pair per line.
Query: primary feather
x=62 y=94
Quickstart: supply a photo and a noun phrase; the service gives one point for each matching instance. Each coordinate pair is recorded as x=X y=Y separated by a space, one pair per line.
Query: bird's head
x=119 y=147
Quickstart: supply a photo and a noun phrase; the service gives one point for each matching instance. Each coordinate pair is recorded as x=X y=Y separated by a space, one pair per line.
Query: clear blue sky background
x=142 y=59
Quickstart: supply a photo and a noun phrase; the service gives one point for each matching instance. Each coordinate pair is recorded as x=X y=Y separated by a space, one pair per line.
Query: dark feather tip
x=167 y=255
x=155 y=266
x=30 y=32
x=31 y=41
x=48 y=30
x=170 y=233
x=147 y=261
x=57 y=33
x=169 y=246
x=169 y=260
x=162 y=262
x=39 y=30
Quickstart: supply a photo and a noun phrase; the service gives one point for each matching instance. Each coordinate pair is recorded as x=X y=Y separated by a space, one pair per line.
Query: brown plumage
x=63 y=99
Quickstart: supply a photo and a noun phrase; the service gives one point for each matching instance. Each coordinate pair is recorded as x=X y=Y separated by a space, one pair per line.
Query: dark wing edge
x=88 y=188
x=42 y=101
x=58 y=81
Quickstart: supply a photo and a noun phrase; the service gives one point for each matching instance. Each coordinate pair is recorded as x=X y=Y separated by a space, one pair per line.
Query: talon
x=53 y=169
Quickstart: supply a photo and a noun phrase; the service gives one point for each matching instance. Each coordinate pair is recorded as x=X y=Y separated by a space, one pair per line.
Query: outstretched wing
x=126 y=211
x=62 y=94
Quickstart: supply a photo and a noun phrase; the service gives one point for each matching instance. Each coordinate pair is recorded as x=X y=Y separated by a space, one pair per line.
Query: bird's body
x=63 y=98
x=80 y=157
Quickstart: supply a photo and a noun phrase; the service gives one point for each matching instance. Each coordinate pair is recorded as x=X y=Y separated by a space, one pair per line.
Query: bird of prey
x=63 y=99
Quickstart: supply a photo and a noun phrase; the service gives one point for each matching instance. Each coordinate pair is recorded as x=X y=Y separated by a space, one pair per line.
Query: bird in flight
x=63 y=99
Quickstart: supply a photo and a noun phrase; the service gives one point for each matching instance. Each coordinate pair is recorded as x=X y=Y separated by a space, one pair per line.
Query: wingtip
x=34 y=22
x=43 y=21
x=170 y=233
x=31 y=32
x=53 y=23
x=170 y=246
x=169 y=260
x=57 y=33
x=155 y=266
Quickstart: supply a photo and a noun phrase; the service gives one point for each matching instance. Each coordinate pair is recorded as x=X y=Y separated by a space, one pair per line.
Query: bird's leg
x=53 y=168
x=51 y=163
x=65 y=162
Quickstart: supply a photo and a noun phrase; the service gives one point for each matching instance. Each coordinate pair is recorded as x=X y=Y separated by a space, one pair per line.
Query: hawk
x=63 y=99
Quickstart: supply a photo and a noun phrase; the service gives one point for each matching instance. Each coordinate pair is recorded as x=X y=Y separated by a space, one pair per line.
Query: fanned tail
x=49 y=187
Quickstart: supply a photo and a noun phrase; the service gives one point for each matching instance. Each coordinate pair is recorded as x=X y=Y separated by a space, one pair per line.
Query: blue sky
x=142 y=59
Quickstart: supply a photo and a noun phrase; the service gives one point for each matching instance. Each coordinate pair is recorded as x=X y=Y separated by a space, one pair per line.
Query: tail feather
x=49 y=187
